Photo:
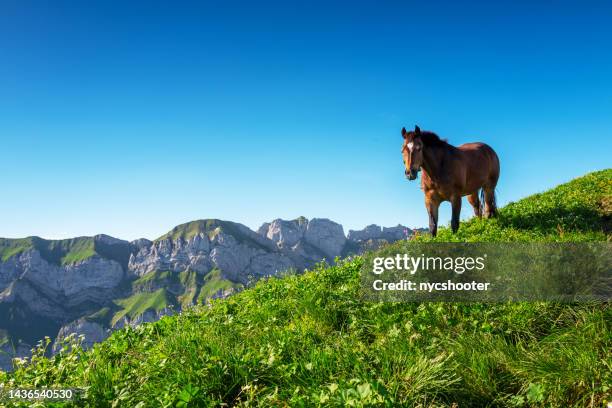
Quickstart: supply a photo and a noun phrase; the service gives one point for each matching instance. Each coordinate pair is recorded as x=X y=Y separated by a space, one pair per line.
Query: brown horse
x=450 y=173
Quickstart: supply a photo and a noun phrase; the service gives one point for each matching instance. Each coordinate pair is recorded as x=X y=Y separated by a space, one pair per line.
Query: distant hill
x=67 y=251
x=307 y=340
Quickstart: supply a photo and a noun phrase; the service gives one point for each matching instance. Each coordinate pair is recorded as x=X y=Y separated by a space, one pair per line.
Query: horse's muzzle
x=412 y=174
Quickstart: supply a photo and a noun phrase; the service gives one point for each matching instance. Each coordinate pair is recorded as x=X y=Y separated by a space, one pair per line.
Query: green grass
x=59 y=252
x=139 y=303
x=102 y=316
x=152 y=279
x=13 y=247
x=189 y=286
x=152 y=292
x=66 y=251
x=213 y=283
x=308 y=340
x=74 y=250
x=580 y=210
x=191 y=281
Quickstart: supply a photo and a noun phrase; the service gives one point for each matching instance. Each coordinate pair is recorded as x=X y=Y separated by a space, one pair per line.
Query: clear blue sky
x=130 y=119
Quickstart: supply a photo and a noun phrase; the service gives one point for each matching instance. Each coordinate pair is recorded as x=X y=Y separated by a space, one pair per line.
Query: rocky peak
x=321 y=234
x=205 y=244
x=176 y=255
x=285 y=234
x=141 y=243
x=374 y=232
x=326 y=235
x=108 y=240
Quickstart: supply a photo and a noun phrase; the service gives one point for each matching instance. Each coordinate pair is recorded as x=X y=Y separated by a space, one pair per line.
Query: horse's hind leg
x=489 y=199
x=456 y=205
x=474 y=200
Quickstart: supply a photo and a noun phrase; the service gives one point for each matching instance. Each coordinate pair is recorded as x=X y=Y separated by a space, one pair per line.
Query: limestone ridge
x=375 y=232
x=92 y=285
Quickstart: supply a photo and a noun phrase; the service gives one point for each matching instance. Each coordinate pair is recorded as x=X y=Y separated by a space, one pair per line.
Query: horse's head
x=412 y=152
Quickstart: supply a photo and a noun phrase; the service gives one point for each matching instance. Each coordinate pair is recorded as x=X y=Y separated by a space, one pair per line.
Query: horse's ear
x=404 y=132
x=417 y=129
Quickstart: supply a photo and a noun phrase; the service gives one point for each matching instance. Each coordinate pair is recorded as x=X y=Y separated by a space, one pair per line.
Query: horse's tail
x=482 y=201
x=492 y=204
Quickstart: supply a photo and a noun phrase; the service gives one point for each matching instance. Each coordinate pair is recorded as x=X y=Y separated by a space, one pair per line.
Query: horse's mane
x=431 y=139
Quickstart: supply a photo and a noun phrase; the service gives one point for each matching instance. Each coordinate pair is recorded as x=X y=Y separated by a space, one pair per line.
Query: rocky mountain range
x=94 y=285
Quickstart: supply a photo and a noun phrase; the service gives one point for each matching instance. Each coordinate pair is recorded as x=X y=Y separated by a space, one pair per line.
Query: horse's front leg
x=432 y=203
x=456 y=204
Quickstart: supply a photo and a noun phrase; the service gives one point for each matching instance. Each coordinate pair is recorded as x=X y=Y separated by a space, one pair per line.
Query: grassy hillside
x=139 y=303
x=580 y=210
x=60 y=252
x=65 y=251
x=12 y=247
x=159 y=290
x=212 y=283
x=309 y=341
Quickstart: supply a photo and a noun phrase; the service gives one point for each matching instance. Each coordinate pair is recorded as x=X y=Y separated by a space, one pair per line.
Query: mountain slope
x=67 y=251
x=307 y=340
x=93 y=285
x=211 y=228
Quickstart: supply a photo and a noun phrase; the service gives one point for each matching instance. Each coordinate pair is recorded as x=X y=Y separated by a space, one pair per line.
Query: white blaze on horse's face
x=409 y=150
x=412 y=151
